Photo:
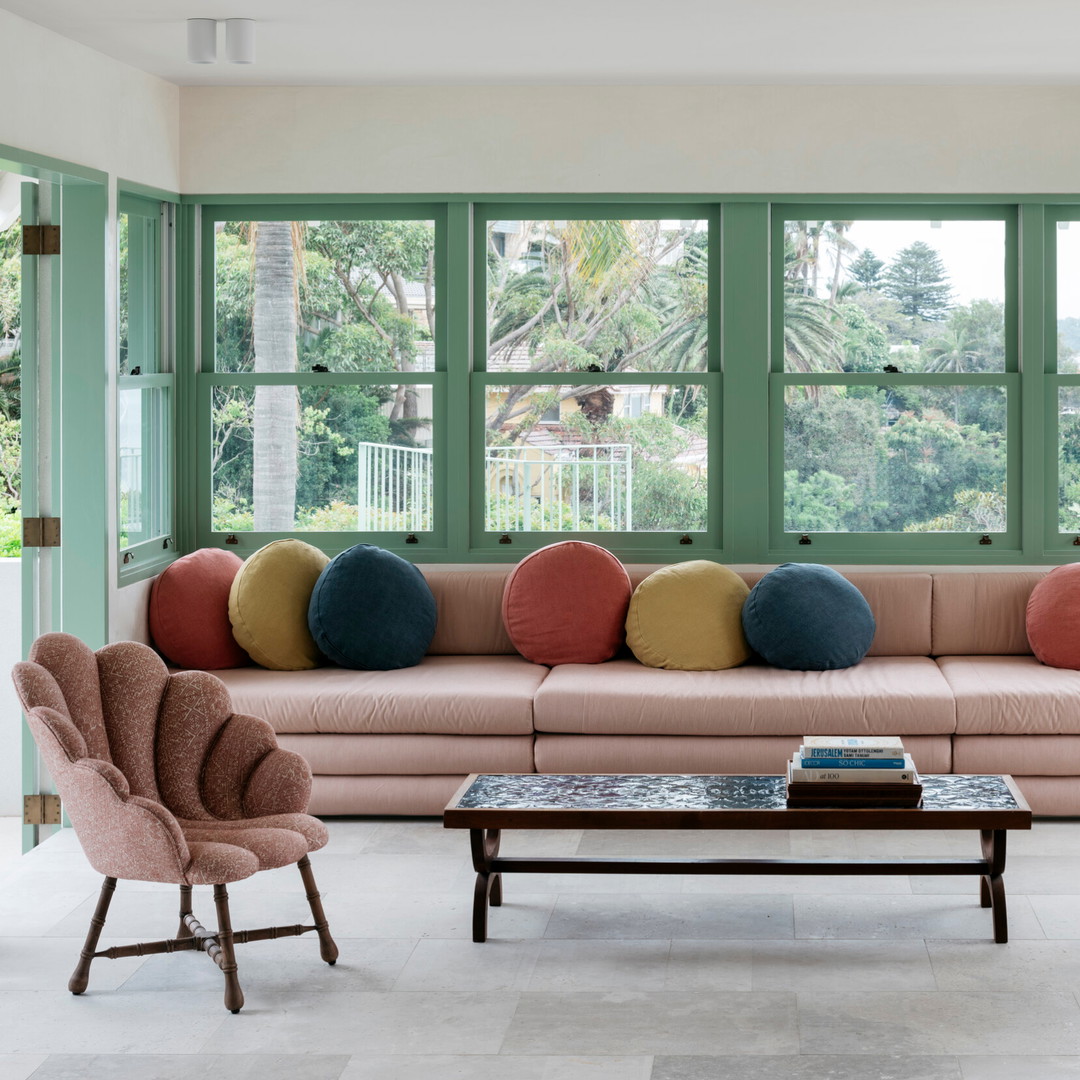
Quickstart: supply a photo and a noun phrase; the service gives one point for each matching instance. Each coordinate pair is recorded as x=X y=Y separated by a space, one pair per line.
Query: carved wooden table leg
x=488 y=889
x=226 y=957
x=992 y=885
x=80 y=977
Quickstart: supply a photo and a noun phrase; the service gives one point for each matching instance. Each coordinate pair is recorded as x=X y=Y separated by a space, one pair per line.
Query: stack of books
x=841 y=770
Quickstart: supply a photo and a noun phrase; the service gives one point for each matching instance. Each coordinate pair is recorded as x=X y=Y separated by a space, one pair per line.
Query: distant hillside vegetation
x=1069 y=330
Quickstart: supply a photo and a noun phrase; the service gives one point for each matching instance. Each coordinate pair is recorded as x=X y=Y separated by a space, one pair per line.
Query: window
x=322 y=381
x=594 y=369
x=144 y=402
x=894 y=385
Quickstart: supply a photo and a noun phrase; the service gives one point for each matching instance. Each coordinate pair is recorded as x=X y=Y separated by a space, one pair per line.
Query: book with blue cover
x=799 y=772
x=851 y=762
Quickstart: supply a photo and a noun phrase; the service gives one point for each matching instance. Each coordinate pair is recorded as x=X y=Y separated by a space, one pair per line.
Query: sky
x=973 y=252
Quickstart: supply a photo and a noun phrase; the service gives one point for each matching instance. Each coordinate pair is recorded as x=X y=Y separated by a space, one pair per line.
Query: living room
x=475 y=120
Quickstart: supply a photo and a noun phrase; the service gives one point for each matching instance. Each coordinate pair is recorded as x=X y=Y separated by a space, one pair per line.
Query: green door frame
x=64 y=379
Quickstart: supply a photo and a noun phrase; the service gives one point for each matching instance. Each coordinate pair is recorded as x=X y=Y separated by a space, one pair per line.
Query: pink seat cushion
x=1053 y=618
x=189 y=611
x=567 y=604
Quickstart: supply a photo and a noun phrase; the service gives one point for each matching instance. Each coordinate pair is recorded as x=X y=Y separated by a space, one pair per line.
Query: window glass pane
x=338 y=295
x=921 y=296
x=144 y=438
x=1068 y=297
x=894 y=459
x=1069 y=458
x=600 y=467
x=591 y=295
x=323 y=458
x=138 y=301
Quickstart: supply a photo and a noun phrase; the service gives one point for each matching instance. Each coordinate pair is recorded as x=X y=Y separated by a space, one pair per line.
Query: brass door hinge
x=41 y=532
x=41 y=810
x=41 y=240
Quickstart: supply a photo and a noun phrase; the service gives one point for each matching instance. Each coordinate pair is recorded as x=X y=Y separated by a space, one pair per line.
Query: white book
x=851 y=746
x=907 y=775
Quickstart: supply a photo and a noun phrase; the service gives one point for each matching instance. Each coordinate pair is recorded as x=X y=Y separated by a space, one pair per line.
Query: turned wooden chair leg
x=80 y=977
x=328 y=949
x=226 y=957
x=185 y=910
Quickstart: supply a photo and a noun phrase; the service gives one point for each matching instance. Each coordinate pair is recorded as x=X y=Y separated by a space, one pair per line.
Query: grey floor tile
x=794 y=883
x=1018 y=965
x=342 y=876
x=696 y=964
x=807 y=1067
x=497 y=1067
x=892 y=916
x=1059 y=916
x=684 y=844
x=41 y=963
x=600 y=965
x=660 y=915
x=191 y=1066
x=287 y=965
x=109 y=1022
x=457 y=964
x=694 y=1022
x=841 y=965
x=20 y=1066
x=448 y=915
x=1020 y=1068
x=1024 y=874
x=419 y=836
x=390 y=1023
x=942 y=1022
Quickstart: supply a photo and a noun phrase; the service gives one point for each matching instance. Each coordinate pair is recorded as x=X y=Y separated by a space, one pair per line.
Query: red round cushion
x=189 y=611
x=1053 y=618
x=567 y=604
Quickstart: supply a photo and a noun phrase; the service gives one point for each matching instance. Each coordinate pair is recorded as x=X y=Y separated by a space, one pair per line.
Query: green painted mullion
x=457 y=315
x=309 y=378
x=185 y=340
x=83 y=556
x=1036 y=443
x=744 y=266
x=873 y=378
x=28 y=303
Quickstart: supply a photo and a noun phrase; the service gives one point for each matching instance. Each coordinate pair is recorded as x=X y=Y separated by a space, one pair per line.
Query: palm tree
x=276 y=413
x=950 y=351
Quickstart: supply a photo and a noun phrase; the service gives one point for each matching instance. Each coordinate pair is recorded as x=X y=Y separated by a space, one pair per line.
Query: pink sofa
x=950 y=670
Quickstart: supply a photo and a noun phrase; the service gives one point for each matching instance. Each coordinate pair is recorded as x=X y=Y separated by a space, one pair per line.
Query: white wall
x=649 y=139
x=63 y=100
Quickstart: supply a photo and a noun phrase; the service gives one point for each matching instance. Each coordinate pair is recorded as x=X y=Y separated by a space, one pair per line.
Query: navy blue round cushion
x=807 y=617
x=371 y=609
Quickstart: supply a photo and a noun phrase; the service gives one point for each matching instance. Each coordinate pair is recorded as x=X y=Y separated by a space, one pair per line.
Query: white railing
x=394 y=488
x=130 y=481
x=559 y=489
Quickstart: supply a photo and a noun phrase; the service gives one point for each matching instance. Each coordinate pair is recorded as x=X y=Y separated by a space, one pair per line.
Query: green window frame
x=410 y=542
x=501 y=540
x=145 y=382
x=975 y=546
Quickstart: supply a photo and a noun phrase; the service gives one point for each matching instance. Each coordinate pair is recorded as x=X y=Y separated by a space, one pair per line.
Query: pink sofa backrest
x=982 y=614
x=470 y=609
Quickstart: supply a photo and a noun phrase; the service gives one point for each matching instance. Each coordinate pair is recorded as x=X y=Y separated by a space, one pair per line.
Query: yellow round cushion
x=268 y=605
x=688 y=616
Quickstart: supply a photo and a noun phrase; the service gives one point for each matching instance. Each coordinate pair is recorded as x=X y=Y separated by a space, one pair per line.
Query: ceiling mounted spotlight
x=201 y=41
x=240 y=41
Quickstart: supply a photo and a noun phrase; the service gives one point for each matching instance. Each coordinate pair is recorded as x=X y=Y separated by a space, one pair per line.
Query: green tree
x=917 y=280
x=866 y=270
x=822 y=502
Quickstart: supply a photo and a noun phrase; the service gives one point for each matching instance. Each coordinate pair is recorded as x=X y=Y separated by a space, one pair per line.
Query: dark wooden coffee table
x=485 y=804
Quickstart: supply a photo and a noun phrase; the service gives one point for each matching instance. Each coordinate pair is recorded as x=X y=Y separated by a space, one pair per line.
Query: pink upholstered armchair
x=163 y=782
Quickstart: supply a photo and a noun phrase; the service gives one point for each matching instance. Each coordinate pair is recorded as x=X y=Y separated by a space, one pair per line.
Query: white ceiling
x=582 y=42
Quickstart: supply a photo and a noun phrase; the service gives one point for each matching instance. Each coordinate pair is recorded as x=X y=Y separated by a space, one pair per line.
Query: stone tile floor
x=584 y=977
